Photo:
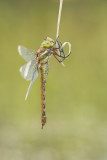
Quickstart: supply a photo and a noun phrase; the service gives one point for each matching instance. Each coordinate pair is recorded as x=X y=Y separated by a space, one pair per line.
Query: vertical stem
x=59 y=18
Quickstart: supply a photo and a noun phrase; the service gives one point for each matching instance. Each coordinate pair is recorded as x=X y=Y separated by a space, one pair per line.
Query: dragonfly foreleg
x=59 y=60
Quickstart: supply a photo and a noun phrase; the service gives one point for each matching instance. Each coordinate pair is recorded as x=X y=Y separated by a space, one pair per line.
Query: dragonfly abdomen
x=44 y=71
x=42 y=57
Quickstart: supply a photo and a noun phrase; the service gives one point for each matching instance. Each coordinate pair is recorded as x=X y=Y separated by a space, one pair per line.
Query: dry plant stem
x=57 y=34
x=59 y=18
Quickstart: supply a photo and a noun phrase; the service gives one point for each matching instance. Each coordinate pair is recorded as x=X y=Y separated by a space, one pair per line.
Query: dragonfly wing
x=27 y=54
x=34 y=77
x=28 y=69
x=29 y=72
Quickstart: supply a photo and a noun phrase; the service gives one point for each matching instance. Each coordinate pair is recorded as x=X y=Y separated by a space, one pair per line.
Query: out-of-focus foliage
x=76 y=126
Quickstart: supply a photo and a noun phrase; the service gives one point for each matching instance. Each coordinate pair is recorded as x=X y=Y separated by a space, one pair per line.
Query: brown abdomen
x=43 y=95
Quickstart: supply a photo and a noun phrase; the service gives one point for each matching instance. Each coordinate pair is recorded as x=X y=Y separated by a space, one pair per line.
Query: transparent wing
x=27 y=54
x=27 y=70
x=34 y=77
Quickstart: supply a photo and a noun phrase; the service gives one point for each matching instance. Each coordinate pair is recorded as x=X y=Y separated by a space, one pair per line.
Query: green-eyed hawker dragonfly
x=38 y=61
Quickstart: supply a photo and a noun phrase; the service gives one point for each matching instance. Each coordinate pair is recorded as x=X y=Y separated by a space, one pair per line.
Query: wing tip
x=19 y=49
x=26 y=97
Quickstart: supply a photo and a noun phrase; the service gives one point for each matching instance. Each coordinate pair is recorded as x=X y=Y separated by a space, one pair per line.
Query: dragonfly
x=38 y=63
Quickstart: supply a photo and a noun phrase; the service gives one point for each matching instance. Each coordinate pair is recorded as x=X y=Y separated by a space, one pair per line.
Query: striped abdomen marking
x=44 y=72
x=43 y=57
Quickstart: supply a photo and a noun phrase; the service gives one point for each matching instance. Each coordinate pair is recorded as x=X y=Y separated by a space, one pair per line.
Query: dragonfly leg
x=60 y=47
x=57 y=58
x=63 y=45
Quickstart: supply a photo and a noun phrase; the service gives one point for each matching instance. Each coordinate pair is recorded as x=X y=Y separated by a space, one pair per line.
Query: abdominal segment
x=44 y=72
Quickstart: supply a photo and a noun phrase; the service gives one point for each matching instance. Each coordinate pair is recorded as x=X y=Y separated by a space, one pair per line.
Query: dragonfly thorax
x=48 y=42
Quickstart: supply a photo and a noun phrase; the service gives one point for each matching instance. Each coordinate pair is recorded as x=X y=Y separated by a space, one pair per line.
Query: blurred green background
x=76 y=98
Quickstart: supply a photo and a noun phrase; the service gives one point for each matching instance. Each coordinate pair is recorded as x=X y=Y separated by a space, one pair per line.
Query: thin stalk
x=59 y=18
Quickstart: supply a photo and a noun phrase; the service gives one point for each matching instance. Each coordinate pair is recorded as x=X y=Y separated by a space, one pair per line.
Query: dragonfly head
x=48 y=42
